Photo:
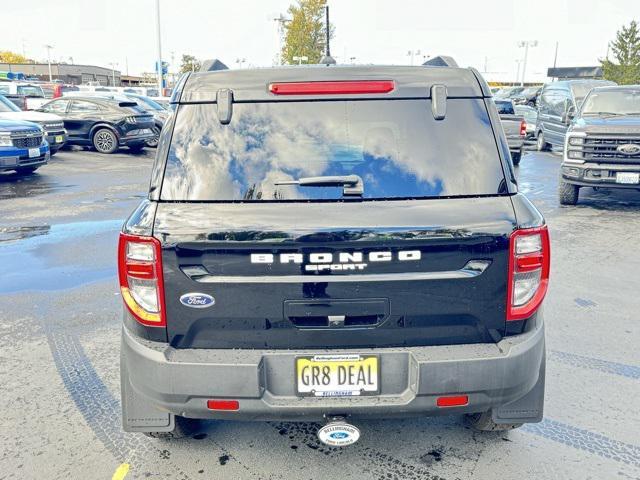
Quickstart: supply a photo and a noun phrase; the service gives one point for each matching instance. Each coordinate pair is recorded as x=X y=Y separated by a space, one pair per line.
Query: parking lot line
x=121 y=472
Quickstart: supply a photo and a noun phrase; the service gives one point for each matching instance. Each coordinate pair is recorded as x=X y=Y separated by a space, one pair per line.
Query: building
x=67 y=73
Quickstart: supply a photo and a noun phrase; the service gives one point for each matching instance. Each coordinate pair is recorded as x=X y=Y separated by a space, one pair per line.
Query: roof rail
x=441 y=61
x=212 y=65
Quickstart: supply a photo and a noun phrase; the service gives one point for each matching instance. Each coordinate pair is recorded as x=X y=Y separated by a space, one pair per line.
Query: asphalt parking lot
x=59 y=352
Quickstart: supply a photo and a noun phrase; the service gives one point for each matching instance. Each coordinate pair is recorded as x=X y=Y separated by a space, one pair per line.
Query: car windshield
x=7 y=106
x=618 y=102
x=30 y=91
x=147 y=102
x=396 y=147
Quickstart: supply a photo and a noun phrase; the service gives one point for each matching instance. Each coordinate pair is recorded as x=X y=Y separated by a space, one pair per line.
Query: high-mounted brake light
x=523 y=128
x=141 y=282
x=355 y=87
x=529 y=263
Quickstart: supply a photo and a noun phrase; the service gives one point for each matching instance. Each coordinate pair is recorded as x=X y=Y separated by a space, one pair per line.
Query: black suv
x=103 y=123
x=602 y=147
x=332 y=243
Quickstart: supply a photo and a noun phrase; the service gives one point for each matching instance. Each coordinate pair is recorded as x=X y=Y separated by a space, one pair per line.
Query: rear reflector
x=454 y=401
x=360 y=87
x=229 y=405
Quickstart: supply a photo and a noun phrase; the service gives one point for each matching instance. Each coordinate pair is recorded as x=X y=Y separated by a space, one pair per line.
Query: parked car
x=602 y=148
x=506 y=92
x=530 y=116
x=528 y=96
x=27 y=96
x=103 y=123
x=324 y=234
x=557 y=103
x=515 y=128
x=57 y=90
x=52 y=125
x=159 y=113
x=23 y=147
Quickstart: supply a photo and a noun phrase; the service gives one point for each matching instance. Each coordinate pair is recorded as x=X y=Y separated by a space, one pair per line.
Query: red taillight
x=529 y=262
x=359 y=87
x=141 y=282
x=453 y=401
x=523 y=128
x=228 y=405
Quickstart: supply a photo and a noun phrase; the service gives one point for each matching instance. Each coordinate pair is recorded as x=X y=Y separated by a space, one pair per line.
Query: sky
x=483 y=34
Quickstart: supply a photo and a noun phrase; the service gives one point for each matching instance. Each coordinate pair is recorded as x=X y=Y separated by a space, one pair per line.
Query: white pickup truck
x=27 y=96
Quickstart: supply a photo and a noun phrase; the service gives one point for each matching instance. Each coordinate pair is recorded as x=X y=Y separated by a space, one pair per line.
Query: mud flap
x=137 y=414
x=528 y=409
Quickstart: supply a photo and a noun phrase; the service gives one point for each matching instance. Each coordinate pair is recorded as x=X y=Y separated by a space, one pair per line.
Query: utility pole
x=113 y=73
x=159 y=61
x=526 y=44
x=281 y=20
x=555 y=57
x=412 y=53
x=518 y=62
x=327 y=59
x=49 y=47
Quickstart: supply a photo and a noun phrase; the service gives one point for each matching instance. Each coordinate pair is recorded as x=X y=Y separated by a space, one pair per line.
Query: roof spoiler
x=441 y=61
x=212 y=65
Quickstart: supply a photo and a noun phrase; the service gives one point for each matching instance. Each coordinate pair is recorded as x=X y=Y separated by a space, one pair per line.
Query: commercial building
x=65 y=72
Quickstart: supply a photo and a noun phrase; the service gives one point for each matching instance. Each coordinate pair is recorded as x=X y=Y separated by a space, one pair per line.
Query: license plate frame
x=334 y=362
x=34 y=152
x=628 y=178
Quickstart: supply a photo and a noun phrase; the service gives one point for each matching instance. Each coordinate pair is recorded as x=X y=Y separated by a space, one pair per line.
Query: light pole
x=518 y=62
x=113 y=73
x=301 y=59
x=49 y=47
x=412 y=53
x=159 y=61
x=526 y=44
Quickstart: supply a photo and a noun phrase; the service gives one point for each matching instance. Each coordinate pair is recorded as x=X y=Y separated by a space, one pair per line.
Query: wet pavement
x=59 y=350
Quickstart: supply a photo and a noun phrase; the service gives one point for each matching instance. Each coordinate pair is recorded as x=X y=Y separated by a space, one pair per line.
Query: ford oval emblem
x=629 y=149
x=197 y=300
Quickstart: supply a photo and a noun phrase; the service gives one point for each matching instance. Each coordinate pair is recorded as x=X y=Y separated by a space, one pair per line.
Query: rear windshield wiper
x=352 y=184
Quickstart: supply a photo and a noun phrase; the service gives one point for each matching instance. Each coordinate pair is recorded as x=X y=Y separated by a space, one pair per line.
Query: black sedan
x=103 y=123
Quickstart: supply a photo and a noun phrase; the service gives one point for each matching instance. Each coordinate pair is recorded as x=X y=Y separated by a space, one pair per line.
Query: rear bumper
x=159 y=381
x=515 y=143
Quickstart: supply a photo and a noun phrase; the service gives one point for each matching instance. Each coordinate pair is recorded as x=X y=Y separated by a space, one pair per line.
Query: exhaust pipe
x=338 y=433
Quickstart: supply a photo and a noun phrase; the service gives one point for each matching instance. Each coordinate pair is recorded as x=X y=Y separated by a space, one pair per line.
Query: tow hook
x=338 y=433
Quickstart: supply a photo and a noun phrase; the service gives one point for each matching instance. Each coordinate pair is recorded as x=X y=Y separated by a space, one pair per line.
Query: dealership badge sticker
x=338 y=434
x=197 y=300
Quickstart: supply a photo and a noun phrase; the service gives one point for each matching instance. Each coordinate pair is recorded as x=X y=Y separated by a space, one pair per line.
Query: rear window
x=395 y=146
x=30 y=91
x=505 y=107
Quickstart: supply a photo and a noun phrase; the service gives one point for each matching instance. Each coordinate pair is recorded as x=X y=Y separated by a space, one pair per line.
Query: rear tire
x=105 y=141
x=482 y=422
x=541 y=144
x=568 y=193
x=515 y=158
x=184 y=427
x=153 y=143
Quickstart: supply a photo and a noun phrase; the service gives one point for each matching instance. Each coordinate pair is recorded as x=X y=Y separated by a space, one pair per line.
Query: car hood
x=17 y=125
x=30 y=116
x=608 y=124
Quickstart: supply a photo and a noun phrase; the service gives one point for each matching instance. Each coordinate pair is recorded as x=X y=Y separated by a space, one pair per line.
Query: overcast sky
x=476 y=33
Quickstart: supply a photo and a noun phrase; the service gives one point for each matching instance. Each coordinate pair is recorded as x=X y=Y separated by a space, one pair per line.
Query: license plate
x=59 y=139
x=34 y=152
x=628 y=177
x=337 y=375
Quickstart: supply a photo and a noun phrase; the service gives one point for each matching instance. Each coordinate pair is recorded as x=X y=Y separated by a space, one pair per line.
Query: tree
x=189 y=64
x=10 y=57
x=625 y=70
x=304 y=34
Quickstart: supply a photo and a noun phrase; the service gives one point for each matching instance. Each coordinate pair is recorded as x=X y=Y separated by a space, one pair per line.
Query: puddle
x=18 y=186
x=56 y=257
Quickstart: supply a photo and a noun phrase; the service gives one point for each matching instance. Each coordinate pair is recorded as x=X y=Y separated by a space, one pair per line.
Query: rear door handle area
x=338 y=313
